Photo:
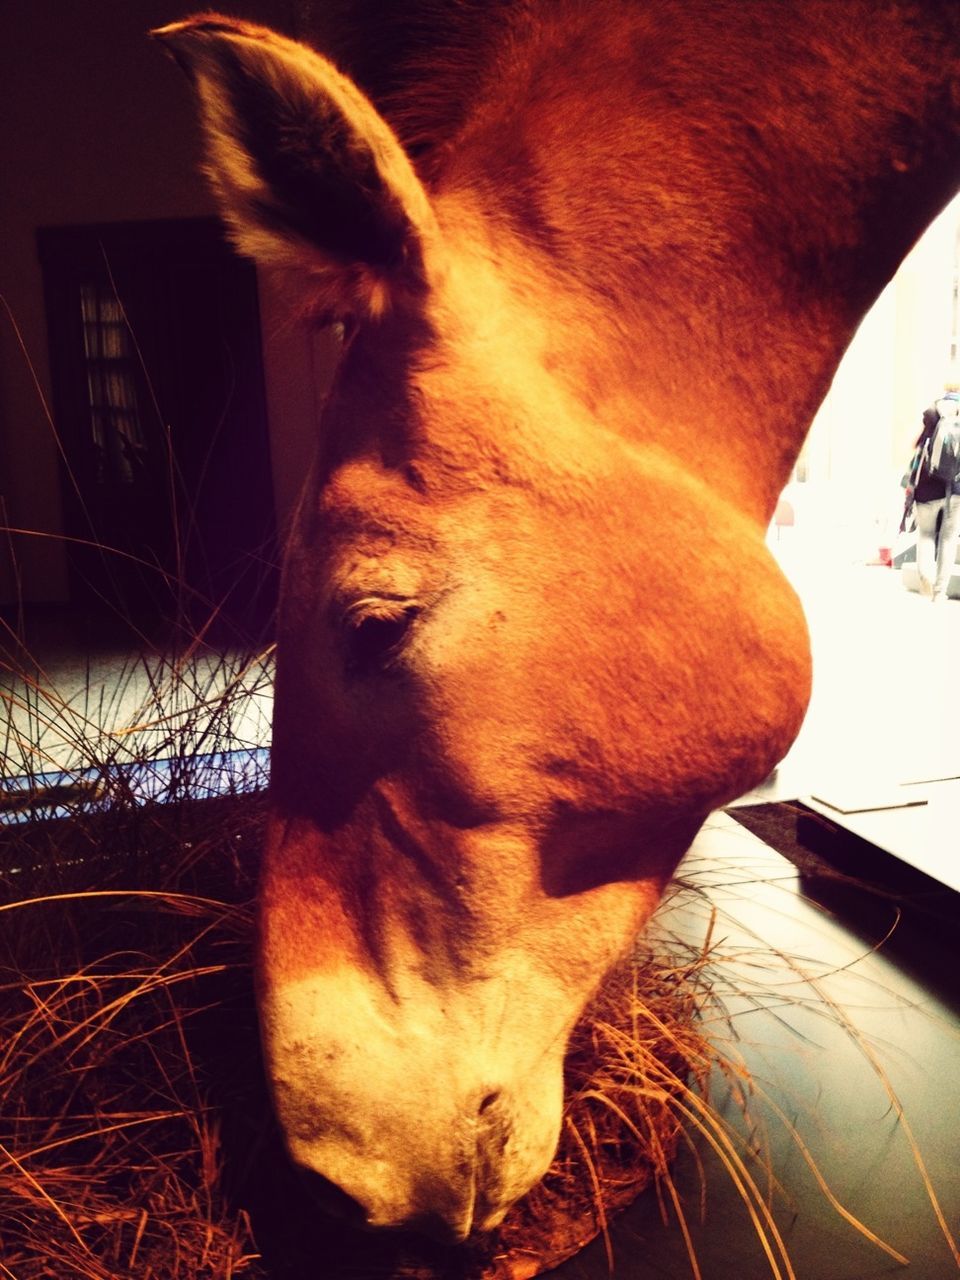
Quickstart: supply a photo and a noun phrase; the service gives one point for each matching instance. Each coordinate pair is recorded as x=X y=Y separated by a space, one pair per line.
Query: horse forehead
x=455 y=446
x=464 y=456
x=475 y=413
x=373 y=507
x=411 y=514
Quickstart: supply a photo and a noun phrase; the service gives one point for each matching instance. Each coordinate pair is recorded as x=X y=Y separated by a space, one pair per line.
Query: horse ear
x=307 y=173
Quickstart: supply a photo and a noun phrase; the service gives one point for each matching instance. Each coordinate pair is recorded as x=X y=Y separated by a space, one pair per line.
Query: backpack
x=944 y=458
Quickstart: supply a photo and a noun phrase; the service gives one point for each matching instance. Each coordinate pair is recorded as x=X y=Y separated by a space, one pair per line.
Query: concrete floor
x=881 y=740
x=885 y=702
x=70 y=711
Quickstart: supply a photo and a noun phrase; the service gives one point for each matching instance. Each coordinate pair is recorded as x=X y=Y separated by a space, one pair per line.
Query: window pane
x=117 y=436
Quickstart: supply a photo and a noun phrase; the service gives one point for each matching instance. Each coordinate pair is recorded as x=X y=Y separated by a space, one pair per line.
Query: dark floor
x=852 y=1054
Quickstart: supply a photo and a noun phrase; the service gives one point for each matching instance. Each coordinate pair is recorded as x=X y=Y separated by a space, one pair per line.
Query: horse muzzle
x=434 y=1113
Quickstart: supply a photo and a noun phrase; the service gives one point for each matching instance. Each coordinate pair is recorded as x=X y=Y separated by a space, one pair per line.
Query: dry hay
x=110 y=1141
x=136 y=1135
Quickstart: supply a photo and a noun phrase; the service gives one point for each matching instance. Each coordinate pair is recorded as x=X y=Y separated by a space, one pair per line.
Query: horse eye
x=376 y=637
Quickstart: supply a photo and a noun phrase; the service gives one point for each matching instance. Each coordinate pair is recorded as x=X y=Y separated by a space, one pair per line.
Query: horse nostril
x=489 y=1101
x=332 y=1200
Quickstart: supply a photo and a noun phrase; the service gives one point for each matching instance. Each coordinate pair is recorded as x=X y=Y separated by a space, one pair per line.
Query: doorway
x=156 y=363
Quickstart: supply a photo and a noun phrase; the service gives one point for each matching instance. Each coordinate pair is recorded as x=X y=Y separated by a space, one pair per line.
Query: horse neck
x=725 y=188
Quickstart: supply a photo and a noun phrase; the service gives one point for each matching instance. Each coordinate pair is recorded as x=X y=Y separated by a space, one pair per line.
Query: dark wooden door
x=159 y=401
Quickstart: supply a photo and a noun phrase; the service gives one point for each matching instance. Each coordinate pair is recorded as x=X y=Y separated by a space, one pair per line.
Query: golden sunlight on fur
x=315 y=98
x=595 y=277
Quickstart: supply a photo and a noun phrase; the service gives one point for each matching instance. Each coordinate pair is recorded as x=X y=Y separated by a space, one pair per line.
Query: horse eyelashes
x=376 y=639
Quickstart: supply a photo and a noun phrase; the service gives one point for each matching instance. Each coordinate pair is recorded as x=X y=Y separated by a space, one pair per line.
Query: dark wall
x=96 y=126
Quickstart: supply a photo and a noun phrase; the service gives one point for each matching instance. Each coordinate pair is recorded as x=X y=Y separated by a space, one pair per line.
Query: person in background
x=937 y=497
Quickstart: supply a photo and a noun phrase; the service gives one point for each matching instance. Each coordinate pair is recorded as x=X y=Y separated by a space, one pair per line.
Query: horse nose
x=488 y=1102
x=446 y=1208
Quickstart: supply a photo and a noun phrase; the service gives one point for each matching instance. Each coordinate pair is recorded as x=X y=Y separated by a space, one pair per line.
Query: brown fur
x=598 y=270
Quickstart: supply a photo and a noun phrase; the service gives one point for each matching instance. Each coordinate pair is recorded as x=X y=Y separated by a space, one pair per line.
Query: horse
x=594 y=267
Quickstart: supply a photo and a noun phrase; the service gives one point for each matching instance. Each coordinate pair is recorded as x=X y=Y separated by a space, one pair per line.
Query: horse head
x=530 y=634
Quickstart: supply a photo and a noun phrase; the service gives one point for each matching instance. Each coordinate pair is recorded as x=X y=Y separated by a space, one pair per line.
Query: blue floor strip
x=60 y=793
